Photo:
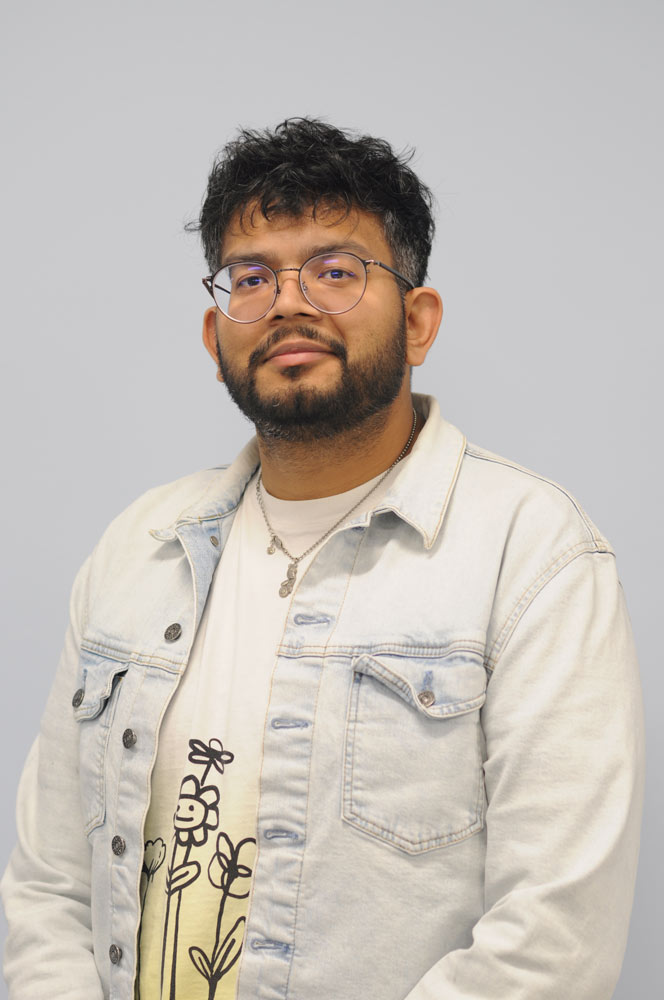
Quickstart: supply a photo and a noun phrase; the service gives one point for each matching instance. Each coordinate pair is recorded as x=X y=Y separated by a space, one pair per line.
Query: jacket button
x=128 y=738
x=426 y=698
x=115 y=954
x=119 y=845
x=214 y=541
x=78 y=698
x=173 y=632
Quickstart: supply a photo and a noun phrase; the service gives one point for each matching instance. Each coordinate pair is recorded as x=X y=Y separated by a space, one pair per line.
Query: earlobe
x=424 y=312
x=210 y=338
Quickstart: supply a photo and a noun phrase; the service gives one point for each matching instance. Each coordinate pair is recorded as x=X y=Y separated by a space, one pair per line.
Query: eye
x=334 y=272
x=251 y=281
x=338 y=273
x=248 y=277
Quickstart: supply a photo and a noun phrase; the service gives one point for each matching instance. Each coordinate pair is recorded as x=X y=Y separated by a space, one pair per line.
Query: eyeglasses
x=334 y=283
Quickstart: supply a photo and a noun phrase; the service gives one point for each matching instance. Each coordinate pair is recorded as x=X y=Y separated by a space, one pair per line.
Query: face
x=299 y=373
x=190 y=813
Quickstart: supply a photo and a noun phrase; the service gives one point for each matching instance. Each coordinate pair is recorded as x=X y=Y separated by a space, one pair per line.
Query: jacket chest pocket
x=101 y=685
x=413 y=764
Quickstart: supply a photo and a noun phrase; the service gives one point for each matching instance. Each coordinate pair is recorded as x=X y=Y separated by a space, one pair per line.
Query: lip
x=297 y=352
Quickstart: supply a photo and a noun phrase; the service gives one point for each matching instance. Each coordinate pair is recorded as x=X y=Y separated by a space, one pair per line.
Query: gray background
x=539 y=127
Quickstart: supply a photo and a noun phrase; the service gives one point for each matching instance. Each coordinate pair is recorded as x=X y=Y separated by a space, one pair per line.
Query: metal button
x=78 y=698
x=173 y=632
x=128 y=738
x=214 y=541
x=119 y=845
x=426 y=698
x=115 y=954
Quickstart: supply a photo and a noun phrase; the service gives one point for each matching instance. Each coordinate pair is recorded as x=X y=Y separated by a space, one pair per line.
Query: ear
x=424 y=311
x=210 y=337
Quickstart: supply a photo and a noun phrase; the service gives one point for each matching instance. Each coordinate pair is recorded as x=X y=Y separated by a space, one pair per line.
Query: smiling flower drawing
x=196 y=813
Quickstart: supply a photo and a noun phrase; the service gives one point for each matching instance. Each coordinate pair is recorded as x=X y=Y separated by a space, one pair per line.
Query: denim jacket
x=453 y=745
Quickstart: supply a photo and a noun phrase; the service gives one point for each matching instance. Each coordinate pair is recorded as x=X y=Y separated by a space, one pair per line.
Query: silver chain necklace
x=276 y=543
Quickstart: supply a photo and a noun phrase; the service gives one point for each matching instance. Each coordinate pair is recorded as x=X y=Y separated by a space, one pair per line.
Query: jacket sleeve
x=46 y=887
x=564 y=777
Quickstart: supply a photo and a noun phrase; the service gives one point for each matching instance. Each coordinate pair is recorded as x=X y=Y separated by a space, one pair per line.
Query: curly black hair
x=306 y=164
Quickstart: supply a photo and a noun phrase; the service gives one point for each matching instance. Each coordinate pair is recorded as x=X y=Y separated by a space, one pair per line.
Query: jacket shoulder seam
x=482 y=456
x=524 y=601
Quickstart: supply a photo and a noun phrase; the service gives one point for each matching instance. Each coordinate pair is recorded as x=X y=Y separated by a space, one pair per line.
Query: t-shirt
x=200 y=831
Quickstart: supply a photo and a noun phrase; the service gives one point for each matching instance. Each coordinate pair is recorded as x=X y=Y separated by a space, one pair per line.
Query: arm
x=46 y=888
x=564 y=774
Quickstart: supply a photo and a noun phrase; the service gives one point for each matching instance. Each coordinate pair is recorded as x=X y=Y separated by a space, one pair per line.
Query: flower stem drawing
x=224 y=870
x=153 y=859
x=229 y=870
x=195 y=815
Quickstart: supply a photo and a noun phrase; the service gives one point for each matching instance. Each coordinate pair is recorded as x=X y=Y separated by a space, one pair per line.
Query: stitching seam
x=529 y=595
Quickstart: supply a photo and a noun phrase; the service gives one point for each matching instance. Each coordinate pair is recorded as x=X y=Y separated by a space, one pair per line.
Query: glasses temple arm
x=396 y=274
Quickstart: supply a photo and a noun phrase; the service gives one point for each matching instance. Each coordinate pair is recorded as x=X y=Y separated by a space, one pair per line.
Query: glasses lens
x=244 y=292
x=334 y=282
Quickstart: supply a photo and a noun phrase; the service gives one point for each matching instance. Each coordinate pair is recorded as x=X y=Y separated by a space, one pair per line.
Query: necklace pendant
x=287 y=585
x=275 y=543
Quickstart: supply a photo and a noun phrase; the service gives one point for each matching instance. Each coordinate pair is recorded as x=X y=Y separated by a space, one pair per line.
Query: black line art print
x=229 y=870
x=224 y=870
x=196 y=814
x=211 y=754
x=153 y=859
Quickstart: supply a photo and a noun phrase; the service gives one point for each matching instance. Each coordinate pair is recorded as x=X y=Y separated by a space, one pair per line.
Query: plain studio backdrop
x=538 y=125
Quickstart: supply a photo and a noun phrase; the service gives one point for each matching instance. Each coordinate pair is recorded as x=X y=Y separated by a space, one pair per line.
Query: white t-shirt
x=201 y=825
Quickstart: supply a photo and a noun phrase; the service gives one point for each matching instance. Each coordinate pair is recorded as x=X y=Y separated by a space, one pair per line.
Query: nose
x=290 y=300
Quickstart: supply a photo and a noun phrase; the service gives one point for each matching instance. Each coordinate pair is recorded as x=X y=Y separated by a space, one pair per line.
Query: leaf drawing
x=202 y=962
x=228 y=952
x=182 y=876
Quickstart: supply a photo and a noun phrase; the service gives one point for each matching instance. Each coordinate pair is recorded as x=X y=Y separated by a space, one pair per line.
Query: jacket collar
x=419 y=492
x=421 y=488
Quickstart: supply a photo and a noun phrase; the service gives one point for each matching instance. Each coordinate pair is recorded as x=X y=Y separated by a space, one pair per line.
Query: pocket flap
x=99 y=676
x=438 y=687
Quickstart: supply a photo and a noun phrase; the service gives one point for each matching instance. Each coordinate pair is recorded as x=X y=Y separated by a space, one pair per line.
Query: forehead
x=289 y=238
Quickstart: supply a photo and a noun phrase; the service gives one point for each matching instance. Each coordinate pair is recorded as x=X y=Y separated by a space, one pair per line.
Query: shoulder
x=133 y=539
x=526 y=529
x=526 y=504
x=492 y=500
x=162 y=506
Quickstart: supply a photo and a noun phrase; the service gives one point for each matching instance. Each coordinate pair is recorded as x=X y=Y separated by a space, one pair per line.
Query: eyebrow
x=265 y=257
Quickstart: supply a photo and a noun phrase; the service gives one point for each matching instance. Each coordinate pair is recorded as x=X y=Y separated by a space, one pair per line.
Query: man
x=358 y=716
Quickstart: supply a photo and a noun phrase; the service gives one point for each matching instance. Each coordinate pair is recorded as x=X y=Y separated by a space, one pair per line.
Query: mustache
x=306 y=332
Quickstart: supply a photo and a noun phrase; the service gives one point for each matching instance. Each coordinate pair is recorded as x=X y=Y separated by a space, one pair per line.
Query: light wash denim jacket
x=453 y=746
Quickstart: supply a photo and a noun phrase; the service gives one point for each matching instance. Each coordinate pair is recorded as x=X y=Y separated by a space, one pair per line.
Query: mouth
x=297 y=352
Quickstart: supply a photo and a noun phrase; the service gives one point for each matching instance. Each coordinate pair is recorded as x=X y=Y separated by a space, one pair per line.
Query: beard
x=301 y=413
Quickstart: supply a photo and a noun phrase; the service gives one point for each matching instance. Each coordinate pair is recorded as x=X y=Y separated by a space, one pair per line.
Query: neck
x=310 y=470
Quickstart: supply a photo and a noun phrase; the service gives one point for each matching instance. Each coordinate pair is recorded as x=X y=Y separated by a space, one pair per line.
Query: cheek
x=234 y=348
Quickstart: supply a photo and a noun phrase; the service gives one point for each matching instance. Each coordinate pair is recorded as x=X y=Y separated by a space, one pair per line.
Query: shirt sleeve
x=564 y=780
x=46 y=887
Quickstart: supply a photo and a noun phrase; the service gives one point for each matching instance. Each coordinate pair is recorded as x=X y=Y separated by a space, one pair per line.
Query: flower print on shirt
x=196 y=812
x=224 y=871
x=153 y=858
x=211 y=754
x=225 y=868
x=197 y=842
